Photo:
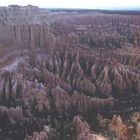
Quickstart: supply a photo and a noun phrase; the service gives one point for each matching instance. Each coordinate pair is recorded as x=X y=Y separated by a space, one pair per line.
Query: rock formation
x=60 y=70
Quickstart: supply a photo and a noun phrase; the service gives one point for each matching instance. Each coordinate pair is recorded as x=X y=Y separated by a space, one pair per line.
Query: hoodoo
x=69 y=75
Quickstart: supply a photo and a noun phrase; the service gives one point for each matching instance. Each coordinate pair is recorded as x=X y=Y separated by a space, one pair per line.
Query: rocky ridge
x=74 y=77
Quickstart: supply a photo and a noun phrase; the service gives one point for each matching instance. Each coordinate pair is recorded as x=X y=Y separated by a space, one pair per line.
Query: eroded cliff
x=68 y=76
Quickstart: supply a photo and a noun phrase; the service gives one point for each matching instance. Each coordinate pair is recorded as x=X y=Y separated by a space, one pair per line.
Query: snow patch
x=13 y=66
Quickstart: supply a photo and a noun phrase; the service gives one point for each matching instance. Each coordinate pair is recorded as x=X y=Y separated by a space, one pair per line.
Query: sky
x=87 y=4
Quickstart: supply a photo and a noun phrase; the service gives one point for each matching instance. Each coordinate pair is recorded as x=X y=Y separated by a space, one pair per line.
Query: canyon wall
x=24 y=35
x=91 y=74
x=23 y=26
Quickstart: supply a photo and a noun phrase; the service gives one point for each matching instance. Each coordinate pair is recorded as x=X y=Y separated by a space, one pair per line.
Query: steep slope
x=62 y=74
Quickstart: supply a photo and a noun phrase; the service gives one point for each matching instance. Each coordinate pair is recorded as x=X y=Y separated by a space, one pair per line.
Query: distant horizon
x=75 y=4
x=115 y=8
x=74 y=8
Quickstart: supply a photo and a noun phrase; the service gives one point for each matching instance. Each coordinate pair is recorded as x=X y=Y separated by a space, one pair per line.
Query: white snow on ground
x=14 y=65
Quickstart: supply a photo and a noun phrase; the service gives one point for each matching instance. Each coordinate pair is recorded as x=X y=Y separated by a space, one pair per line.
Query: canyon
x=69 y=75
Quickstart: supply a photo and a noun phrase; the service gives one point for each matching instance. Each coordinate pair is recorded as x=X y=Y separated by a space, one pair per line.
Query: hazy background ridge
x=85 y=4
